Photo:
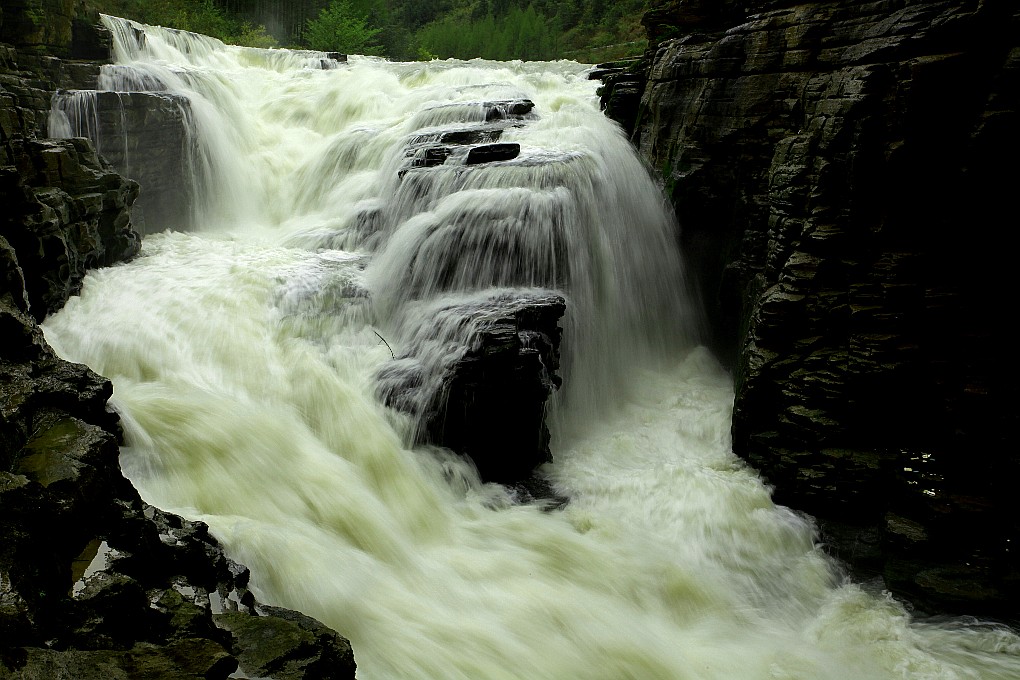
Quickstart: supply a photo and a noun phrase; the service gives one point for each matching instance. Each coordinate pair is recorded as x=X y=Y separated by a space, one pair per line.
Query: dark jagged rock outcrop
x=93 y=582
x=501 y=385
x=842 y=172
x=620 y=94
x=67 y=212
x=485 y=399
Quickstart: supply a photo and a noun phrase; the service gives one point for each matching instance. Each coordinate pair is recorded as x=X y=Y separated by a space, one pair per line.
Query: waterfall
x=347 y=204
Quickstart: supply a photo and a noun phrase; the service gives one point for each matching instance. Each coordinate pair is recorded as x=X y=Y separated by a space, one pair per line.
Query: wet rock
x=68 y=212
x=283 y=644
x=467 y=145
x=146 y=136
x=181 y=660
x=623 y=84
x=491 y=153
x=430 y=156
x=514 y=108
x=499 y=381
x=482 y=134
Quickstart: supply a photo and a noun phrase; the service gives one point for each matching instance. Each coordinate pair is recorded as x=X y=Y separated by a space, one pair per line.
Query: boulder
x=285 y=645
x=495 y=378
x=491 y=153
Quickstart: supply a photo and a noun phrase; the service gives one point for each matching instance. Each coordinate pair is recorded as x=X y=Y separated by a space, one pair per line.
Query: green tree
x=340 y=28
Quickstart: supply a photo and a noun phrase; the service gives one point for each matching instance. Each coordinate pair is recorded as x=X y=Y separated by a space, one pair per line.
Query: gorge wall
x=843 y=175
x=94 y=583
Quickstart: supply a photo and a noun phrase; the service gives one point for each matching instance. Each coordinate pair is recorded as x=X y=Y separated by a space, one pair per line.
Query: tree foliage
x=339 y=27
x=200 y=16
x=585 y=30
x=518 y=34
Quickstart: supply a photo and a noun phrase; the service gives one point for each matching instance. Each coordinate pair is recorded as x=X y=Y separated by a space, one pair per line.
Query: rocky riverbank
x=842 y=171
x=94 y=582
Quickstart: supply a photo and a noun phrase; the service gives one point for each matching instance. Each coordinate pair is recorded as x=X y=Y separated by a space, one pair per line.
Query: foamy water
x=244 y=356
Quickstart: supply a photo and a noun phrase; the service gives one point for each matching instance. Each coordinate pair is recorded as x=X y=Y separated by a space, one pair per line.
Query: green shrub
x=340 y=28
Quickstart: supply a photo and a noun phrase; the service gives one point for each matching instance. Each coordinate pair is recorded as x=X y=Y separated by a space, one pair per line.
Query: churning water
x=335 y=204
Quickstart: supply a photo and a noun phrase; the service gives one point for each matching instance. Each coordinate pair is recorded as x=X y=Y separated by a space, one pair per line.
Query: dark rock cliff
x=93 y=582
x=843 y=172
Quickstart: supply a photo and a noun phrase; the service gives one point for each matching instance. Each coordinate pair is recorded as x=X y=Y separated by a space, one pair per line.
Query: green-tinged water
x=244 y=356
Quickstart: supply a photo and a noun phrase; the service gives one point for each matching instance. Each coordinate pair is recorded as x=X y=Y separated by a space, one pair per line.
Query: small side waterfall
x=425 y=205
x=149 y=136
x=150 y=120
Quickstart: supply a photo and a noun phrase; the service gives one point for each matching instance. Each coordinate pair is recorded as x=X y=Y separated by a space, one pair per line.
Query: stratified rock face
x=841 y=171
x=147 y=136
x=466 y=134
x=59 y=40
x=623 y=85
x=65 y=209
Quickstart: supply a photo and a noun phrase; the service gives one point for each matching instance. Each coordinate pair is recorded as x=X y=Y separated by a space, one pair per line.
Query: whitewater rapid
x=244 y=356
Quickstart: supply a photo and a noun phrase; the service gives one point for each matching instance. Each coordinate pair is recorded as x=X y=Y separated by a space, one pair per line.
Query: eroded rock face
x=68 y=212
x=841 y=171
x=466 y=134
x=623 y=84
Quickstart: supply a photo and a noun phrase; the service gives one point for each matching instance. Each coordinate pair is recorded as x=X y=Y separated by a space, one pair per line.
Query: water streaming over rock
x=340 y=206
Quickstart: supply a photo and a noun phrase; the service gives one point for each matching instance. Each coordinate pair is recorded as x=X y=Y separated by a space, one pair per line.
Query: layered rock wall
x=843 y=174
x=147 y=136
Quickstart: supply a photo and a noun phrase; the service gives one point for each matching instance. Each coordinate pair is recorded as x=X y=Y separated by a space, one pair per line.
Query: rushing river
x=245 y=355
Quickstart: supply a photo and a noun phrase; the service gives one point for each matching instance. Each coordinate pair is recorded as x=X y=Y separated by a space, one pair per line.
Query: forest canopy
x=582 y=30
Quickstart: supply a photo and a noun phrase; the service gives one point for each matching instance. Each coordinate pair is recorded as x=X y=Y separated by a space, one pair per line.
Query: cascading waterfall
x=245 y=359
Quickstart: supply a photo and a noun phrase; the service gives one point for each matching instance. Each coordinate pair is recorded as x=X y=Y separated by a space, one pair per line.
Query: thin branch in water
x=392 y=356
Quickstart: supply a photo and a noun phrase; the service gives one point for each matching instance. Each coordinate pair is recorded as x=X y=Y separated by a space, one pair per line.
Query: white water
x=244 y=359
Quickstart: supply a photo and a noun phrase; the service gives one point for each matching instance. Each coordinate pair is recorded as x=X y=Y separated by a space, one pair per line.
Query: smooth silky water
x=245 y=356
